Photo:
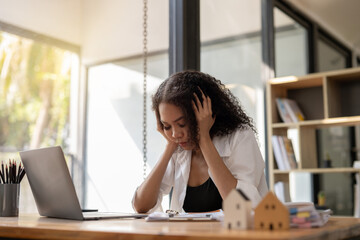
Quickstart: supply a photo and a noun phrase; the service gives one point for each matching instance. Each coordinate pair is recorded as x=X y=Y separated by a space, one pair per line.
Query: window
x=330 y=58
x=290 y=60
x=231 y=52
x=114 y=140
x=35 y=91
x=114 y=113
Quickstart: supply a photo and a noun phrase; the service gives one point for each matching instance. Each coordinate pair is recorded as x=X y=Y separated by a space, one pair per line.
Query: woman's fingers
x=196 y=110
x=197 y=102
x=205 y=104
x=203 y=112
x=209 y=104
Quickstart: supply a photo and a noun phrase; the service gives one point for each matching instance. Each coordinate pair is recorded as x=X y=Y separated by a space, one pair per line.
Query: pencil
x=2 y=176
x=7 y=169
x=14 y=171
x=7 y=174
x=10 y=171
x=2 y=167
x=18 y=173
x=22 y=174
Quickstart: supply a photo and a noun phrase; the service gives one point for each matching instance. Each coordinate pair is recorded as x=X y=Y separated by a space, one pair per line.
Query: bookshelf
x=326 y=99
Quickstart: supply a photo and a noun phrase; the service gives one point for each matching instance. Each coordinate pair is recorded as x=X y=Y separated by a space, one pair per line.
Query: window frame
x=315 y=32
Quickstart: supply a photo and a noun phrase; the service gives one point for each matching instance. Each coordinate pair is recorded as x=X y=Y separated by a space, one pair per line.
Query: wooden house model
x=237 y=210
x=271 y=214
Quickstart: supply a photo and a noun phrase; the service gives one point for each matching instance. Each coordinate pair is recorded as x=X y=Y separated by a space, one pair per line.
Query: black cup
x=9 y=200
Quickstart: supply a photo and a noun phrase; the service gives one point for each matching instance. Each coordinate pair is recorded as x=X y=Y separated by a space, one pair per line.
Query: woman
x=211 y=147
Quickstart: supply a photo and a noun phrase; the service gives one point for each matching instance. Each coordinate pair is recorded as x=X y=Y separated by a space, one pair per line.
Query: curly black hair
x=178 y=90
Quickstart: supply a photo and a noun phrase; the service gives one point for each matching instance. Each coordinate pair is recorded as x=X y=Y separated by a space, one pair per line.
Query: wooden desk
x=35 y=227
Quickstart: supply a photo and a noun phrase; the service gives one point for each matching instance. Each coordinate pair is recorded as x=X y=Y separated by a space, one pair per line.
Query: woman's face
x=175 y=125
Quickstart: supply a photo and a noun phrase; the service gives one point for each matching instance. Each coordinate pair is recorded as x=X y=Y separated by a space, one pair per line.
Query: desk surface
x=35 y=227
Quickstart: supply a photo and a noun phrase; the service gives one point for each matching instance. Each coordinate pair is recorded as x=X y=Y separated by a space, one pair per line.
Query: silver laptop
x=53 y=189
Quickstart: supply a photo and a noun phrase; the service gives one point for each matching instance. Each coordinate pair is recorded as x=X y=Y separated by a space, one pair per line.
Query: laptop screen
x=51 y=183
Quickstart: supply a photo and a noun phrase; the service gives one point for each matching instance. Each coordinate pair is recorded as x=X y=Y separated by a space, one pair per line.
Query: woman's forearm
x=222 y=176
x=147 y=194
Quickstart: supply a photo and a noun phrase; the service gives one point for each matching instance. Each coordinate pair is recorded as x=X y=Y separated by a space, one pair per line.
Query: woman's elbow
x=142 y=207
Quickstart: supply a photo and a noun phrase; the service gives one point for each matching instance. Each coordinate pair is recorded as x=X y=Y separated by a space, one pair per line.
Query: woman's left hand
x=203 y=113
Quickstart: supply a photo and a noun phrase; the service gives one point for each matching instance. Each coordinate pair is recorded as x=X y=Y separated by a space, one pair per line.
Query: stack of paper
x=304 y=215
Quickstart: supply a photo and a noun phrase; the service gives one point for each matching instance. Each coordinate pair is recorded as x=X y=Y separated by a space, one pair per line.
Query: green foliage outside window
x=34 y=94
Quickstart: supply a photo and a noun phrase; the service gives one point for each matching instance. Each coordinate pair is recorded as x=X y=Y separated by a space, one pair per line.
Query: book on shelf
x=289 y=110
x=290 y=154
x=279 y=153
x=283 y=112
x=284 y=152
x=294 y=110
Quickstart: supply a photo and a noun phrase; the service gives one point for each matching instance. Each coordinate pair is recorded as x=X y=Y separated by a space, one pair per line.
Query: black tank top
x=203 y=198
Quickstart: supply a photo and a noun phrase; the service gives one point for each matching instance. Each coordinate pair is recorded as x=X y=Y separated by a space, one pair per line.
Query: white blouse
x=240 y=153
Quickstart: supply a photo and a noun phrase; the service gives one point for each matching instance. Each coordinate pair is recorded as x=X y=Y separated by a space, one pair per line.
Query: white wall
x=104 y=29
x=56 y=18
x=116 y=31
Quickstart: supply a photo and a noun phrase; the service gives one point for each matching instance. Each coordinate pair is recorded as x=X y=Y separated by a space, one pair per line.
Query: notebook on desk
x=53 y=189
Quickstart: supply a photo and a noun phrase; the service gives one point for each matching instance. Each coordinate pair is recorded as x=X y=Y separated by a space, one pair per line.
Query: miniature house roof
x=271 y=198
x=236 y=195
x=243 y=194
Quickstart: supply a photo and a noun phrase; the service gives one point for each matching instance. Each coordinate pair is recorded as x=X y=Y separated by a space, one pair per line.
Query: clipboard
x=184 y=217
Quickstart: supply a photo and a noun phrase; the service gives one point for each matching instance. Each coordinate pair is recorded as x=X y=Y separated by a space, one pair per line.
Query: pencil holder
x=9 y=200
